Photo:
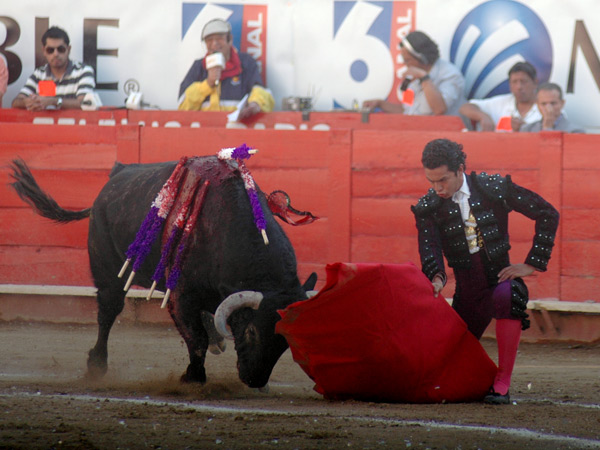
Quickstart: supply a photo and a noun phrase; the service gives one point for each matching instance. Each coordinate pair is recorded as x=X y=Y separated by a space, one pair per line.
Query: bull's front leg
x=188 y=320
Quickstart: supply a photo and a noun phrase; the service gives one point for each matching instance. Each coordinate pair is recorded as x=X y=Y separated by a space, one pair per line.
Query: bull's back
x=125 y=200
x=226 y=246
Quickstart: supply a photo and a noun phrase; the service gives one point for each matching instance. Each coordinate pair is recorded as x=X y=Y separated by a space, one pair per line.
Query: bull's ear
x=310 y=282
x=116 y=169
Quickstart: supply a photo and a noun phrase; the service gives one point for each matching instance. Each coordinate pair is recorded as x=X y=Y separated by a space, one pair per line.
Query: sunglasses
x=60 y=48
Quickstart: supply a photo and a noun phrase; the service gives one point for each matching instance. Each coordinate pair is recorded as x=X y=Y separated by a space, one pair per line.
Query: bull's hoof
x=216 y=348
x=96 y=365
x=95 y=372
x=185 y=378
x=193 y=376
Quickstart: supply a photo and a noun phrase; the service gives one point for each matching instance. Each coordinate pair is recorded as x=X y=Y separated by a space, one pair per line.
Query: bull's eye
x=251 y=334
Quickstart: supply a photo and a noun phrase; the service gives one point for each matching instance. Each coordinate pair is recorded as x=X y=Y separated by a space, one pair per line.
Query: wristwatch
x=424 y=78
x=59 y=102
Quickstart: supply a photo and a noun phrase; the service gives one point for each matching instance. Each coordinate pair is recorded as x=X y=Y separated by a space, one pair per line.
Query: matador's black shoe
x=493 y=398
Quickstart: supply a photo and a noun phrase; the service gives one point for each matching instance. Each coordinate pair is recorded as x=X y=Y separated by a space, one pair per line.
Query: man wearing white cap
x=216 y=83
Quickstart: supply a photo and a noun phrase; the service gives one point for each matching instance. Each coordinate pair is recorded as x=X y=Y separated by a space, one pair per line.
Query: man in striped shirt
x=72 y=79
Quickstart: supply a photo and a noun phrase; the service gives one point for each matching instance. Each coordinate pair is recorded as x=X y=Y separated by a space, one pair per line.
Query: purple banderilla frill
x=239 y=154
x=152 y=224
x=182 y=188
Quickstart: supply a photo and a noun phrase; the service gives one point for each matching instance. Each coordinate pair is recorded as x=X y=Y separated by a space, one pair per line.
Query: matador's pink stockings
x=508 y=335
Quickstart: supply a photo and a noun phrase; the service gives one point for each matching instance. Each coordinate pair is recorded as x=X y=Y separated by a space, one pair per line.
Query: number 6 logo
x=362 y=64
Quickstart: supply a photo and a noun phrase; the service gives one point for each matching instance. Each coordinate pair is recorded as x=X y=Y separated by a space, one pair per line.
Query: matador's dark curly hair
x=444 y=152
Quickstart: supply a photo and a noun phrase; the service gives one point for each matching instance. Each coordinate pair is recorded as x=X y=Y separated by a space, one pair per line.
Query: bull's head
x=248 y=320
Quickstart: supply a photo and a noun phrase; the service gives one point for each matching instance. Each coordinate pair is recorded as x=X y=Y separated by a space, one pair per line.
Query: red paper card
x=408 y=96
x=47 y=88
x=504 y=124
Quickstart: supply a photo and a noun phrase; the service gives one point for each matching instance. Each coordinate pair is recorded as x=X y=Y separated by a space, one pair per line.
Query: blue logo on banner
x=492 y=38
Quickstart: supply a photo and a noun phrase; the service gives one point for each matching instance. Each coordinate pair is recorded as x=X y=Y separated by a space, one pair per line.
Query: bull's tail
x=44 y=205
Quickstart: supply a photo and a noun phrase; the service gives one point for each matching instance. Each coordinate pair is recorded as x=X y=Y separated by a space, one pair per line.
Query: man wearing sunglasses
x=59 y=84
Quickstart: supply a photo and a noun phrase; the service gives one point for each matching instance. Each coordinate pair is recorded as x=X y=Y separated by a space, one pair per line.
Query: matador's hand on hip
x=515 y=271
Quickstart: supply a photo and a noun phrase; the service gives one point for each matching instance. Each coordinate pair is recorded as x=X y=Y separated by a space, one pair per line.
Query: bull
x=229 y=271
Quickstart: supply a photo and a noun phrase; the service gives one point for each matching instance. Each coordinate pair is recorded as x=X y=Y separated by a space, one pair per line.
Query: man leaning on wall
x=518 y=106
x=223 y=77
x=70 y=80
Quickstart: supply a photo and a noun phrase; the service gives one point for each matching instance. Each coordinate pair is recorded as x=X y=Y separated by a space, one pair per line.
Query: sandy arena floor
x=46 y=404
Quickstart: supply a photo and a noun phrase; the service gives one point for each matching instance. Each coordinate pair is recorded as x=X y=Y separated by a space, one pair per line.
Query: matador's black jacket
x=441 y=232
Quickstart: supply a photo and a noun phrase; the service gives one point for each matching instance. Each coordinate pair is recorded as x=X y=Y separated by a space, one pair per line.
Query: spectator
x=72 y=79
x=3 y=78
x=438 y=85
x=221 y=88
x=519 y=105
x=550 y=102
x=465 y=218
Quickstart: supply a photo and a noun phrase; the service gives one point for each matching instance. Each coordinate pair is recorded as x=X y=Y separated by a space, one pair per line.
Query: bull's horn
x=235 y=301
x=310 y=294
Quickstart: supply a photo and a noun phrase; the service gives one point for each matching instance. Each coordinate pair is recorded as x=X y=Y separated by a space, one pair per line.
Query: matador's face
x=443 y=181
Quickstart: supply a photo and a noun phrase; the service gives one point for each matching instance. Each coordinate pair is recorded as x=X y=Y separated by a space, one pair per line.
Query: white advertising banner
x=337 y=52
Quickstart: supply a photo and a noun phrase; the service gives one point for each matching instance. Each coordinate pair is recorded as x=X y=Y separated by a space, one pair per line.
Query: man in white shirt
x=519 y=105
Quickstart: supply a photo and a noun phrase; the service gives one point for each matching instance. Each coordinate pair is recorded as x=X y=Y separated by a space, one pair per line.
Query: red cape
x=375 y=332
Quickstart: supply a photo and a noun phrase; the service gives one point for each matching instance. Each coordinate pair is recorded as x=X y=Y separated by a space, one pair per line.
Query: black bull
x=226 y=255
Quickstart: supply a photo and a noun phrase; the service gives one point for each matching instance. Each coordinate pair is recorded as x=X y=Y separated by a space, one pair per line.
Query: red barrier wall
x=361 y=182
x=580 y=263
x=278 y=120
